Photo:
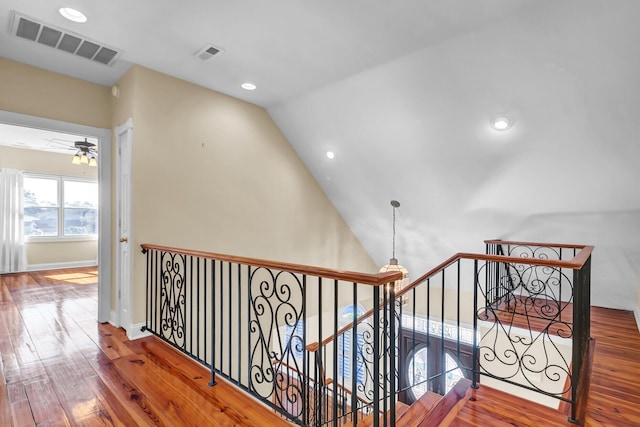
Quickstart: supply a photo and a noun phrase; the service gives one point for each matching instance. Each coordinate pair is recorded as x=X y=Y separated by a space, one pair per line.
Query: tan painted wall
x=210 y=172
x=53 y=163
x=55 y=252
x=36 y=92
x=214 y=173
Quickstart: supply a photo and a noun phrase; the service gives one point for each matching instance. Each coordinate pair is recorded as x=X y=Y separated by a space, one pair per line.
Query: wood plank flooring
x=59 y=367
x=527 y=314
x=614 y=393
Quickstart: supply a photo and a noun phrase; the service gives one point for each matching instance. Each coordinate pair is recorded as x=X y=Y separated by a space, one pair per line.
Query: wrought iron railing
x=251 y=321
x=325 y=347
x=551 y=299
x=518 y=314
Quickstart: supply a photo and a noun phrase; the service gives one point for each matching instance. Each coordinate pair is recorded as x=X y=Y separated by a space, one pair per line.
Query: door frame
x=124 y=148
x=104 y=191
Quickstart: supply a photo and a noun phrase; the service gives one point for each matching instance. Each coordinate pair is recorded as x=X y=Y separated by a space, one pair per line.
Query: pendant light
x=393 y=262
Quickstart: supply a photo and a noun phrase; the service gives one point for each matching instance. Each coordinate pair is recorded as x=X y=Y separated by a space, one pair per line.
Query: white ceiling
x=40 y=139
x=403 y=93
x=287 y=48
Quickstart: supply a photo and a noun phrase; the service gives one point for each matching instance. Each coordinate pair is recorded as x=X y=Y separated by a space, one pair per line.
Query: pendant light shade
x=393 y=262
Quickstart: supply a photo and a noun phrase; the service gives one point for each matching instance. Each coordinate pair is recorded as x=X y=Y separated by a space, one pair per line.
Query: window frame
x=60 y=237
x=411 y=341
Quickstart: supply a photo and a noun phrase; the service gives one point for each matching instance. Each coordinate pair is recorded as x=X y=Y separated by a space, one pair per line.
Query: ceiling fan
x=86 y=153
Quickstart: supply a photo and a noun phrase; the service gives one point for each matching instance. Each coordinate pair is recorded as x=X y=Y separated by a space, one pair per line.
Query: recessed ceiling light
x=331 y=154
x=501 y=122
x=248 y=86
x=73 y=14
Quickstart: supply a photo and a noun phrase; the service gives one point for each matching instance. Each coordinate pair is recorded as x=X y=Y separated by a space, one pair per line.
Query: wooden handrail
x=537 y=244
x=297 y=371
x=375 y=279
x=575 y=263
x=346 y=390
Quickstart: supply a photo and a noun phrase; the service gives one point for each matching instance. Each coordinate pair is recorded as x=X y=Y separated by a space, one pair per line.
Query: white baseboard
x=61 y=265
x=637 y=313
x=135 y=332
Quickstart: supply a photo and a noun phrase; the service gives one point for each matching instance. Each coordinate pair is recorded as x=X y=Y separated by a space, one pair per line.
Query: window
x=454 y=373
x=418 y=372
x=293 y=337
x=431 y=363
x=344 y=356
x=60 y=207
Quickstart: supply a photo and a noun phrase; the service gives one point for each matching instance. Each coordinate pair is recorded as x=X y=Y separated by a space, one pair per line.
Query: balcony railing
x=251 y=322
x=328 y=347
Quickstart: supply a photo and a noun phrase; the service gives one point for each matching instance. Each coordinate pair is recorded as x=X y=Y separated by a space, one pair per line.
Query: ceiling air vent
x=58 y=38
x=208 y=51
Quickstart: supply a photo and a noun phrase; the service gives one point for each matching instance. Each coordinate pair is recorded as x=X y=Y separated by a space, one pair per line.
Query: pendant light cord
x=395 y=204
x=393 y=252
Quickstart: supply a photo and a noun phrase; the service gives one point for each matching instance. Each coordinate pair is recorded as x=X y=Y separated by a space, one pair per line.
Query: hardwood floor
x=58 y=366
x=614 y=393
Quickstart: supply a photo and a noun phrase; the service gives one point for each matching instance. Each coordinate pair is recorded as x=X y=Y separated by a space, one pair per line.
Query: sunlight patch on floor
x=74 y=278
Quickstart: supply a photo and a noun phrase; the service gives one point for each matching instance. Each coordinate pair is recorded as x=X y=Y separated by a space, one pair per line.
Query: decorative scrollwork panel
x=173 y=297
x=525 y=335
x=276 y=301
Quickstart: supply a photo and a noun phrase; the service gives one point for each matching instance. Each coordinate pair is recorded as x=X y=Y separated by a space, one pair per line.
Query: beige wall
x=210 y=172
x=214 y=173
x=62 y=252
x=36 y=92
x=59 y=164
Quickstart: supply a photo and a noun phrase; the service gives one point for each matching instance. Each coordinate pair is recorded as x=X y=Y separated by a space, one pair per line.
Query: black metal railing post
x=334 y=354
x=476 y=351
x=354 y=360
x=376 y=354
x=581 y=330
x=393 y=366
x=212 y=380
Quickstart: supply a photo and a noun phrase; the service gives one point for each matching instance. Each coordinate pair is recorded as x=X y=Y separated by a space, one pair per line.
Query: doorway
x=103 y=137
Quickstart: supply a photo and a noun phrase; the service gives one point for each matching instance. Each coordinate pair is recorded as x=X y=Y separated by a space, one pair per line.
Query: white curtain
x=13 y=257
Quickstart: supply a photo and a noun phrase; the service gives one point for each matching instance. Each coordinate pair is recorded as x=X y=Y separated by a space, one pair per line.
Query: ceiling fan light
x=76 y=159
x=84 y=159
x=93 y=162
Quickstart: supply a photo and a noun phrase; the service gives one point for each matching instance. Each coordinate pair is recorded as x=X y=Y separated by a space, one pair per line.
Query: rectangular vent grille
x=30 y=29
x=208 y=51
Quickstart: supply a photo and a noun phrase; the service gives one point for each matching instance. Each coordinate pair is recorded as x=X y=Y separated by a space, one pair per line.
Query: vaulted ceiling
x=402 y=93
